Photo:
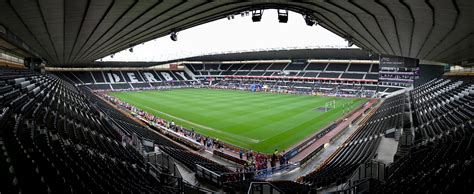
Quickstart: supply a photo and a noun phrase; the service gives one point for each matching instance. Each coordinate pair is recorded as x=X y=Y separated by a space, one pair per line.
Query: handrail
x=351 y=187
x=263 y=183
x=186 y=183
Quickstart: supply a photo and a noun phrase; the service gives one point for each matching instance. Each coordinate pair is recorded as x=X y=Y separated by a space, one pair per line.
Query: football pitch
x=253 y=120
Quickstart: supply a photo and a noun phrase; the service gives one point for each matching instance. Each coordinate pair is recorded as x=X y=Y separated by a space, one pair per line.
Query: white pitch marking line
x=204 y=127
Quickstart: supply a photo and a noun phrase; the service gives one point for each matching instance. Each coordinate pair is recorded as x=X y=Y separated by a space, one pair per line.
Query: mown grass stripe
x=259 y=121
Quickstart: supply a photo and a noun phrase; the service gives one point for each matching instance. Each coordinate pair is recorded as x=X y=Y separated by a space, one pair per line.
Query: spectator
x=241 y=154
x=273 y=161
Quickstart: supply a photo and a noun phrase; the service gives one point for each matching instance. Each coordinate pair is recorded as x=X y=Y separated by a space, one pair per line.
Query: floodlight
x=349 y=43
x=174 y=36
x=309 y=21
x=283 y=16
x=257 y=15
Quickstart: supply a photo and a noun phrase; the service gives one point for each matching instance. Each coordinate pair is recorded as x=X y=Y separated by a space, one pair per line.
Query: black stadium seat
x=352 y=76
x=59 y=138
x=277 y=66
x=329 y=75
x=337 y=67
x=372 y=76
x=441 y=159
x=54 y=140
x=359 y=67
x=316 y=66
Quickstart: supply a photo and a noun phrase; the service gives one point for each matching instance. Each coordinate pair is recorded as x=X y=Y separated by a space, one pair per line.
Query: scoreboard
x=397 y=72
x=398 y=62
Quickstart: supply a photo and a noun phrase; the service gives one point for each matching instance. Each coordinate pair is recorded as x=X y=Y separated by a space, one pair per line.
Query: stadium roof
x=315 y=53
x=81 y=31
x=322 y=53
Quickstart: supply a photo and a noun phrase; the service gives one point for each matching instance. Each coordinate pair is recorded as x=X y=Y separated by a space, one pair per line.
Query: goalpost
x=330 y=104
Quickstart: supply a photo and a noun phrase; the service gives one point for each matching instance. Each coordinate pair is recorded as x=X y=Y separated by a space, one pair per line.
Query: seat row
x=54 y=140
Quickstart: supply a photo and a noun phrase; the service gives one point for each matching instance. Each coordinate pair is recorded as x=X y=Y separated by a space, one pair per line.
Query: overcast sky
x=238 y=34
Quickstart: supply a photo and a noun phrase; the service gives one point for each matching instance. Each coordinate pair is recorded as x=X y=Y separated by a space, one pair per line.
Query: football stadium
x=258 y=97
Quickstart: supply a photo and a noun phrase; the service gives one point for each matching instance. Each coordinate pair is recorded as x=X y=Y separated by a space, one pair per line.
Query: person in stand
x=247 y=165
x=265 y=162
x=241 y=154
x=273 y=161
x=282 y=161
x=197 y=138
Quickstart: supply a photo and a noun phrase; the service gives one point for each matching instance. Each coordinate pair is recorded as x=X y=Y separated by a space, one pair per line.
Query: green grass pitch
x=259 y=121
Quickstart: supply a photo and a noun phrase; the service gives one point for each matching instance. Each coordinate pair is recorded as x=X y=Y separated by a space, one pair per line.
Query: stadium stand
x=127 y=125
x=299 y=76
x=439 y=160
x=130 y=128
x=125 y=80
x=361 y=146
x=439 y=106
x=343 y=77
x=330 y=78
x=53 y=140
x=190 y=160
x=444 y=166
x=52 y=126
x=299 y=68
x=303 y=87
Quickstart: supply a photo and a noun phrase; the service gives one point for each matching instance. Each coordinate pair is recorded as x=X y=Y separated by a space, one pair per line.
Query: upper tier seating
x=359 y=67
x=302 y=69
x=106 y=80
x=277 y=66
x=374 y=68
x=372 y=76
x=337 y=67
x=352 y=76
x=247 y=66
x=329 y=75
x=148 y=76
x=211 y=66
x=296 y=66
x=316 y=66
x=262 y=67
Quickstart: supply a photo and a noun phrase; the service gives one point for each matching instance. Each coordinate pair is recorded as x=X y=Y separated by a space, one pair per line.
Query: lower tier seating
x=53 y=140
